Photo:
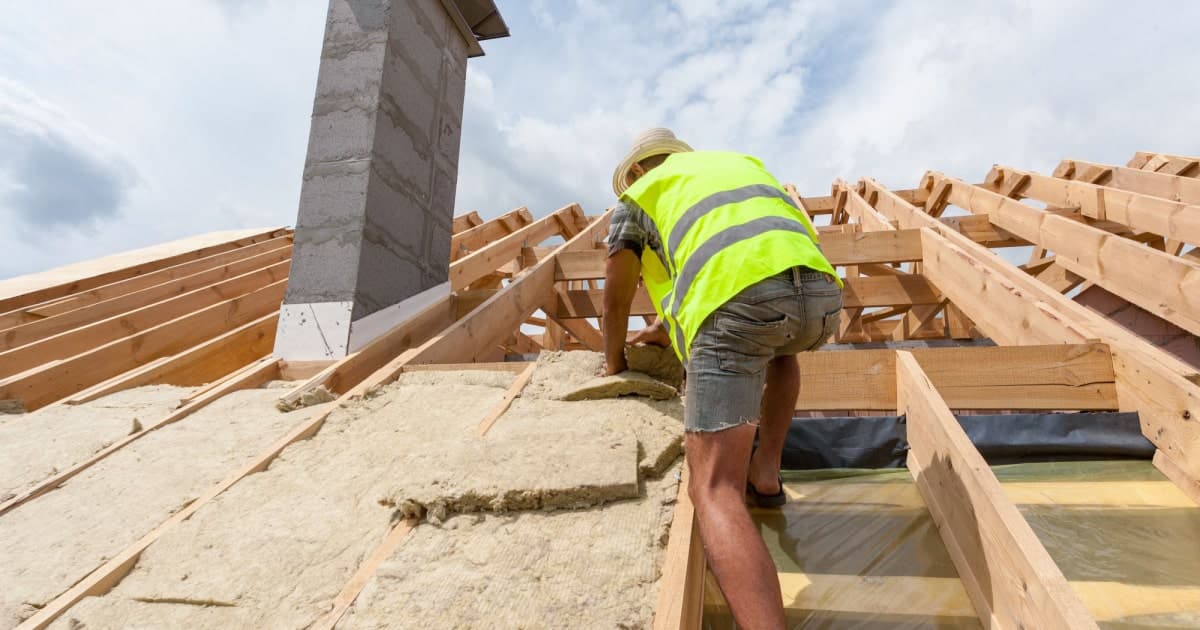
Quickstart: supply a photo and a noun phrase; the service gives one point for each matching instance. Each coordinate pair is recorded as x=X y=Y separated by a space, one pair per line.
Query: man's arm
x=620 y=285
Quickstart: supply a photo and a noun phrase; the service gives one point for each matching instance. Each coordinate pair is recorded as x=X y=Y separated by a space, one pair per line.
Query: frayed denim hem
x=722 y=426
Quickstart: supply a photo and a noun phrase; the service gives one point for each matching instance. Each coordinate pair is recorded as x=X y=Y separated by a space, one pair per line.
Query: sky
x=126 y=124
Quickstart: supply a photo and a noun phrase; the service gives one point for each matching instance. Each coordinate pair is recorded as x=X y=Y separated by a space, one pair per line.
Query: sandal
x=768 y=501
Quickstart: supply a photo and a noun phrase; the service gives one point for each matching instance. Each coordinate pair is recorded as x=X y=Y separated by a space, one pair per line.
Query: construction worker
x=740 y=286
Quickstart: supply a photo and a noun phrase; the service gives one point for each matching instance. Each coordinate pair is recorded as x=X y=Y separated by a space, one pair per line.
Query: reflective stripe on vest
x=707 y=204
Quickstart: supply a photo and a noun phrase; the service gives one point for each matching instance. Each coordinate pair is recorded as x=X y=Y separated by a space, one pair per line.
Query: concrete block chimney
x=372 y=238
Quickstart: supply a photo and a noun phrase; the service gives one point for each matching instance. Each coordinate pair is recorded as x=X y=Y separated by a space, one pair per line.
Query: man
x=740 y=286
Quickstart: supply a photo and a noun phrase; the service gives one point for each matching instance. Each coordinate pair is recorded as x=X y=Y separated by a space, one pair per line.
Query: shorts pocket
x=743 y=326
x=745 y=346
x=829 y=327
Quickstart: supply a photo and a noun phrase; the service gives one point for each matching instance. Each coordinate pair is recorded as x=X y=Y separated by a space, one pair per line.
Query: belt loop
x=796 y=281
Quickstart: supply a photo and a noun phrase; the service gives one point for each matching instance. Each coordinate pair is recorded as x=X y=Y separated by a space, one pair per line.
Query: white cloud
x=209 y=102
x=54 y=171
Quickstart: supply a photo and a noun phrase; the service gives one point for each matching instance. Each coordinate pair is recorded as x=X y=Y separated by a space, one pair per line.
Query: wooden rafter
x=1169 y=187
x=1146 y=213
x=49 y=382
x=1117 y=264
x=465 y=221
x=138 y=282
x=473 y=238
x=1166 y=163
x=90 y=336
x=1009 y=575
x=486 y=260
x=1014 y=308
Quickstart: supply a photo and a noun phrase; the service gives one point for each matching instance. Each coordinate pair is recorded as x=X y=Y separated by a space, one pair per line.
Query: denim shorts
x=794 y=311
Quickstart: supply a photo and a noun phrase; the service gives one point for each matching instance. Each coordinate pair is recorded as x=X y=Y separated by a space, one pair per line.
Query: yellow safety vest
x=726 y=224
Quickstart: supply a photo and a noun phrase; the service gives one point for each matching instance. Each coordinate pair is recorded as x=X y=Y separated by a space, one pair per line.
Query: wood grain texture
x=1009 y=575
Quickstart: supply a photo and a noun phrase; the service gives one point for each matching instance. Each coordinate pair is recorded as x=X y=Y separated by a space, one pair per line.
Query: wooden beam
x=800 y=204
x=1171 y=219
x=1166 y=163
x=97 y=311
x=579 y=328
x=857 y=248
x=860 y=211
x=503 y=313
x=1115 y=263
x=484 y=261
x=861 y=292
x=1033 y=378
x=91 y=336
x=204 y=363
x=977 y=228
x=254 y=375
x=466 y=221
x=553 y=337
x=1178 y=476
x=1015 y=312
x=78 y=300
x=354 y=368
x=1013 y=308
x=301 y=370
x=473 y=238
x=680 y=604
x=143 y=269
x=47 y=383
x=1009 y=575
x=1171 y=187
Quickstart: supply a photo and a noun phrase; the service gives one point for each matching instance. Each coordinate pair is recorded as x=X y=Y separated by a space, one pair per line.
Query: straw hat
x=650 y=142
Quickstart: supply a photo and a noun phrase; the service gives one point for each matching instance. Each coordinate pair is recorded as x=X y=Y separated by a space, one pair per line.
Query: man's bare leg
x=778 y=406
x=735 y=550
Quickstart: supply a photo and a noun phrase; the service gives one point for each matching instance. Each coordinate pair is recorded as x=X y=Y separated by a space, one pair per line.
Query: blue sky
x=131 y=123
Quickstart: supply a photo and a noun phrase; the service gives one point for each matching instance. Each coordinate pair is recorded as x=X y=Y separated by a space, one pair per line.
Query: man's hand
x=654 y=335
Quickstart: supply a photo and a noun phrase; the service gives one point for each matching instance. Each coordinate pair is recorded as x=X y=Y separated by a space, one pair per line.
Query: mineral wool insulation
x=53 y=541
x=37 y=445
x=275 y=549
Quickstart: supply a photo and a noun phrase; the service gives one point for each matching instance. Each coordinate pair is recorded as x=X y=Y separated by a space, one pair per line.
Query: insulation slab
x=38 y=445
x=557 y=469
x=275 y=549
x=53 y=541
x=594 y=568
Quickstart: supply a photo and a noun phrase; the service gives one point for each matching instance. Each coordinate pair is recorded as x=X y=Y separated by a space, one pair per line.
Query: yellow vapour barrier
x=857 y=549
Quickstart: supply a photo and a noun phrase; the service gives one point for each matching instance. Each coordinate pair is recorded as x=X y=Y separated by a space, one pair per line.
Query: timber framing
x=929 y=263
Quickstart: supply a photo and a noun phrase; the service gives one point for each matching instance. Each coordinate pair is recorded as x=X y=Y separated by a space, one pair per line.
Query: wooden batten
x=250 y=377
x=352 y=369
